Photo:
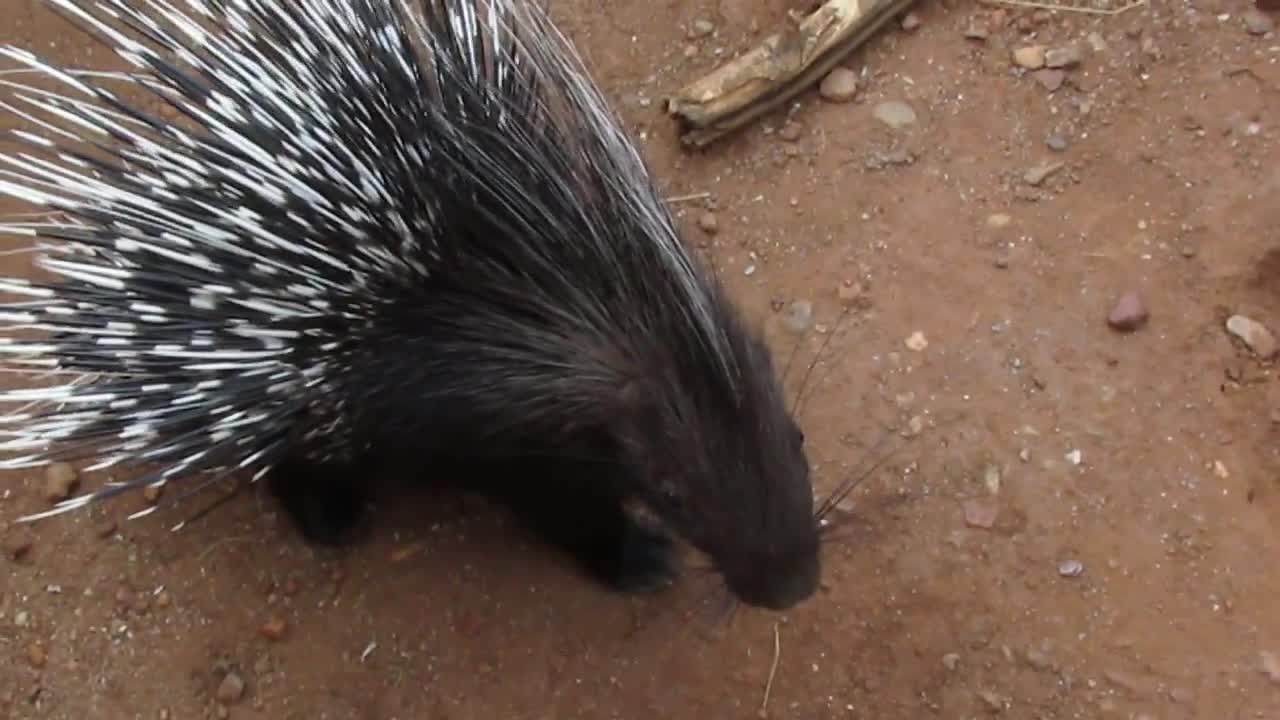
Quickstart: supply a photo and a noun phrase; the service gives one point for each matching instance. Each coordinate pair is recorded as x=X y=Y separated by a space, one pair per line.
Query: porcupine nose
x=779 y=583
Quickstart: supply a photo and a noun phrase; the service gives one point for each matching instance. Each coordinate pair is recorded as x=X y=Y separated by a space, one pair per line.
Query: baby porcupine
x=402 y=234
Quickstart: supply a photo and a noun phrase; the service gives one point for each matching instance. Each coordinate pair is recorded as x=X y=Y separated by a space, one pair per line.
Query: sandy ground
x=1075 y=522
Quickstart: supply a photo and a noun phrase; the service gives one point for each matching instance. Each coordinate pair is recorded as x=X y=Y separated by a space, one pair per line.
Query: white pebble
x=1070 y=568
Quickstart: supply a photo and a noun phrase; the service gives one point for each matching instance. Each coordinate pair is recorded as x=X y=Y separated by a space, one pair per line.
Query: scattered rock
x=1056 y=142
x=980 y=513
x=1064 y=57
x=799 y=316
x=1254 y=334
x=916 y=342
x=1038 y=660
x=976 y=31
x=709 y=223
x=17 y=546
x=1270 y=664
x=999 y=220
x=994 y=701
x=951 y=661
x=59 y=481
x=1040 y=173
x=915 y=426
x=37 y=655
x=1075 y=457
x=1031 y=57
x=22 y=618
x=1049 y=79
x=881 y=159
x=1257 y=22
x=151 y=493
x=1071 y=568
x=840 y=85
x=1096 y=42
x=1129 y=313
x=701 y=28
x=231 y=689
x=274 y=629
x=895 y=114
x=791 y=132
x=910 y=22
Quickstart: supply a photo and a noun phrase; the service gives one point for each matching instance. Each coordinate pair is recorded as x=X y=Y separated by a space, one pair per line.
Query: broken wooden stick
x=783 y=66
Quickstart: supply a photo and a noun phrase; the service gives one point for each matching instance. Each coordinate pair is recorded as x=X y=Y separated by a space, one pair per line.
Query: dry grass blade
x=773 y=671
x=1099 y=7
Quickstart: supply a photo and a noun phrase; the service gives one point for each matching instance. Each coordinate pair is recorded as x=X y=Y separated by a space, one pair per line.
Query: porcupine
x=401 y=234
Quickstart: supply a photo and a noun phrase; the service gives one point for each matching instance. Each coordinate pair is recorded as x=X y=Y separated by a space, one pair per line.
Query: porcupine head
x=422 y=232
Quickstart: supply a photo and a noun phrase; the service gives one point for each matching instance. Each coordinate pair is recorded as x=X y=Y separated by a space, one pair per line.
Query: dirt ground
x=1070 y=522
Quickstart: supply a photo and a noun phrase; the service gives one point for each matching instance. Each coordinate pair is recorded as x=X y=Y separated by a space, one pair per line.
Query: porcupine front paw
x=325 y=504
x=590 y=525
x=640 y=560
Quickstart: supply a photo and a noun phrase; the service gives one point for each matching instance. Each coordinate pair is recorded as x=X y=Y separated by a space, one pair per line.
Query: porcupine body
x=398 y=234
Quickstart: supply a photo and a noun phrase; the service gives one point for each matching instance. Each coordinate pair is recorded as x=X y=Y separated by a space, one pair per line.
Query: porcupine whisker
x=797 y=408
x=847 y=486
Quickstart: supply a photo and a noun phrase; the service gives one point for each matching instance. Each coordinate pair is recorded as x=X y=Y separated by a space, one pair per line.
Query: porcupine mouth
x=777 y=586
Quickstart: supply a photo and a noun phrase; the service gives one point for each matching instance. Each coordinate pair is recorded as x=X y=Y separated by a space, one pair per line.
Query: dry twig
x=784 y=65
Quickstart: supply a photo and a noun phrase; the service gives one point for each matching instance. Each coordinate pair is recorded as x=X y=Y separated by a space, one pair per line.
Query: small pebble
x=231 y=689
x=799 y=315
x=59 y=481
x=977 y=31
x=274 y=629
x=1030 y=57
x=1254 y=334
x=840 y=85
x=895 y=114
x=1037 y=659
x=951 y=661
x=1056 y=142
x=1257 y=22
x=37 y=655
x=17 y=546
x=1038 y=174
x=1050 y=80
x=151 y=493
x=980 y=513
x=998 y=220
x=22 y=618
x=1075 y=457
x=1064 y=57
x=1070 y=568
x=1270 y=664
x=1128 y=314
x=791 y=132
x=709 y=223
x=701 y=28
x=911 y=22
x=916 y=341
x=994 y=701
x=1096 y=42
